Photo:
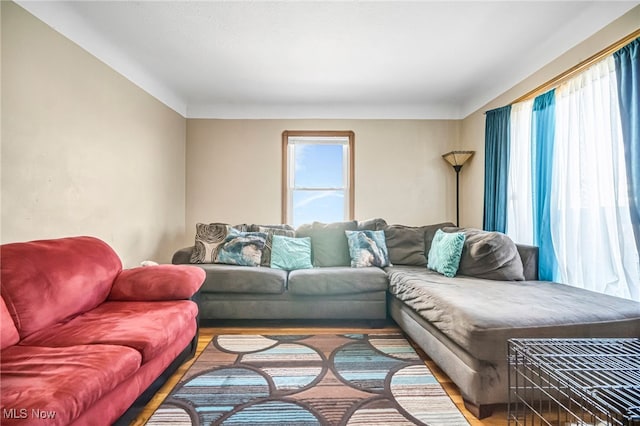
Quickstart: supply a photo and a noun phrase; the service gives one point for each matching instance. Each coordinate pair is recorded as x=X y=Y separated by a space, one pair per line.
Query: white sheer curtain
x=591 y=226
x=519 y=197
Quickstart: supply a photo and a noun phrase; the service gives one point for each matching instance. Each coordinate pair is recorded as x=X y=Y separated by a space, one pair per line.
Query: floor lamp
x=457 y=159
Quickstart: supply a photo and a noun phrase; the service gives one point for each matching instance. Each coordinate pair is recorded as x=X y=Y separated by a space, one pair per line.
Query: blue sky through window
x=318 y=166
x=321 y=206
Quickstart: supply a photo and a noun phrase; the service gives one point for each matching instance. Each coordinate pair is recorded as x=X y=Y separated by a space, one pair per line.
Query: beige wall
x=84 y=151
x=234 y=169
x=472 y=177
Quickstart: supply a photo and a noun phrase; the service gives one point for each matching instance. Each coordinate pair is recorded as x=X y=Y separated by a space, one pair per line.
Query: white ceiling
x=327 y=59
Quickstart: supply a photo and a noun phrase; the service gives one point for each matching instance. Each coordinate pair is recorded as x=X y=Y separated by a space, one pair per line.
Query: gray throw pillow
x=329 y=243
x=254 y=227
x=377 y=224
x=489 y=255
x=406 y=245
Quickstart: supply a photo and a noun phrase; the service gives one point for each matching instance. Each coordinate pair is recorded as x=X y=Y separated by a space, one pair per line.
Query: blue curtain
x=542 y=139
x=627 y=62
x=496 y=168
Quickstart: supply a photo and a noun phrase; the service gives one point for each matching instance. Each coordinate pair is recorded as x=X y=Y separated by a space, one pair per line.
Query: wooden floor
x=207 y=333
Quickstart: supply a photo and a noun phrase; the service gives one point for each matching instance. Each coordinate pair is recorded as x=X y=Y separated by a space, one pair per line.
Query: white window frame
x=292 y=138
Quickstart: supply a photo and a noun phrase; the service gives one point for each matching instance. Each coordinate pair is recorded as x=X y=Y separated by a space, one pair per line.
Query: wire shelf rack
x=574 y=382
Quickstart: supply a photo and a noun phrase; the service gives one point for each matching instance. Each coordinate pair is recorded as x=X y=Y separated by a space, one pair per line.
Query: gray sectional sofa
x=331 y=290
x=462 y=323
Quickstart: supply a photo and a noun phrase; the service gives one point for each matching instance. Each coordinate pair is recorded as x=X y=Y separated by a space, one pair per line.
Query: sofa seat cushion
x=336 y=280
x=61 y=381
x=243 y=279
x=480 y=315
x=148 y=327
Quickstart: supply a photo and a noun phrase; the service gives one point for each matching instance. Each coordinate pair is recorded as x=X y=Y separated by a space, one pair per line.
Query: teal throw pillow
x=445 y=252
x=290 y=253
x=242 y=248
x=367 y=248
x=271 y=231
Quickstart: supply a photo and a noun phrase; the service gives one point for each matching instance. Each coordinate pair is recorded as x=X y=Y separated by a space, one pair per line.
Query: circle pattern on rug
x=245 y=343
x=272 y=413
x=214 y=393
x=353 y=379
x=348 y=363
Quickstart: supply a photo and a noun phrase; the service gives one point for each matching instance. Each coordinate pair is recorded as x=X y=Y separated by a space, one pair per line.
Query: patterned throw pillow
x=445 y=252
x=291 y=253
x=367 y=248
x=242 y=248
x=271 y=231
x=209 y=237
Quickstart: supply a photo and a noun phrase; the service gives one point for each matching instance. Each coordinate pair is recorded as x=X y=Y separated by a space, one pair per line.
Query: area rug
x=351 y=379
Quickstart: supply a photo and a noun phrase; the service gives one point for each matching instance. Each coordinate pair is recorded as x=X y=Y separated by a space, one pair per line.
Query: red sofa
x=82 y=340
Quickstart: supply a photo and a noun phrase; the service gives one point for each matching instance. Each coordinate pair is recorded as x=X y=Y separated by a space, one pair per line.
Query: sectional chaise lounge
x=461 y=322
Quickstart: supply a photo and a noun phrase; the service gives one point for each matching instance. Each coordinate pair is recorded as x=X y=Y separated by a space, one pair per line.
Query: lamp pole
x=457 y=159
x=457 y=168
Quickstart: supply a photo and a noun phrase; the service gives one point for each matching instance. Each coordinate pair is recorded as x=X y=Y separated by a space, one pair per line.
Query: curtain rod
x=557 y=80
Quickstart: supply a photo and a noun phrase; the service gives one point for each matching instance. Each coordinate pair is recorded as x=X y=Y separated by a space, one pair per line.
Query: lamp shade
x=457 y=158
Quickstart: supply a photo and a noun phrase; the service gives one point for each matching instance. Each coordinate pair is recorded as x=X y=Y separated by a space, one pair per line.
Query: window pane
x=321 y=206
x=318 y=166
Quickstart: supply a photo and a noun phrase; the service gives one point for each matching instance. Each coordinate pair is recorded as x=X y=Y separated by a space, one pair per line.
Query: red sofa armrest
x=161 y=282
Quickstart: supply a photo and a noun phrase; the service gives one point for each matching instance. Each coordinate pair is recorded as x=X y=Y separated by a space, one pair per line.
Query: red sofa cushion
x=161 y=282
x=61 y=382
x=9 y=333
x=148 y=327
x=116 y=402
x=46 y=282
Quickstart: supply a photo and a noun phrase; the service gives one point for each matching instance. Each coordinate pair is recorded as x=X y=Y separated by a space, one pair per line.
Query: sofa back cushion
x=410 y=245
x=489 y=255
x=8 y=331
x=406 y=245
x=374 y=224
x=329 y=243
x=45 y=282
x=430 y=232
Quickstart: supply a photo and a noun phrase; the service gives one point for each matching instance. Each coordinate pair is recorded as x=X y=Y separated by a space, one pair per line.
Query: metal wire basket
x=567 y=382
